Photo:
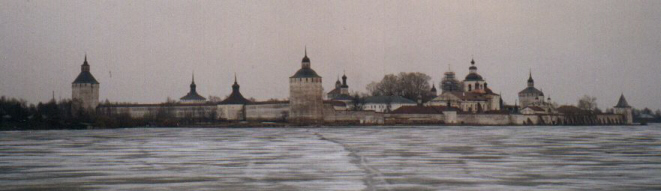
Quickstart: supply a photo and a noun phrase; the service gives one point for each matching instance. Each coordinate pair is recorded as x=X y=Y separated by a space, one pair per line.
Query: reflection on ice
x=353 y=158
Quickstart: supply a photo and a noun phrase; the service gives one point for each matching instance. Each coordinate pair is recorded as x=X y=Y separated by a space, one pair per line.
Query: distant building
x=433 y=91
x=341 y=90
x=306 y=95
x=385 y=104
x=530 y=95
x=474 y=81
x=623 y=108
x=233 y=107
x=450 y=83
x=192 y=96
x=85 y=89
x=473 y=95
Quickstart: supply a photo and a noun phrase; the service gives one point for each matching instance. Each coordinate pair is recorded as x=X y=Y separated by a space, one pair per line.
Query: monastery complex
x=460 y=102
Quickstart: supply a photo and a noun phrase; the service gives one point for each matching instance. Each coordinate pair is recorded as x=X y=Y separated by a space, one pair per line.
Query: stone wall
x=85 y=95
x=484 y=119
x=267 y=112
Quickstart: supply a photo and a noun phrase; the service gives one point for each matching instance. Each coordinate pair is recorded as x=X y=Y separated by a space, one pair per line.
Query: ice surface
x=350 y=158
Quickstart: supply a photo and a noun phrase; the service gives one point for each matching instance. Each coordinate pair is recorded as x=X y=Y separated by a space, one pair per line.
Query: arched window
x=469 y=87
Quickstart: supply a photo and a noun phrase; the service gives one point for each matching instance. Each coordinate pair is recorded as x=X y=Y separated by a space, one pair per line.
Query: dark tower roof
x=344 y=81
x=530 y=80
x=85 y=77
x=192 y=95
x=473 y=67
x=306 y=71
x=235 y=97
x=433 y=88
x=622 y=103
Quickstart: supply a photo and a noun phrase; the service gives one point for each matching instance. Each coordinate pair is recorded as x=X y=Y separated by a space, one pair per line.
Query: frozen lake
x=350 y=158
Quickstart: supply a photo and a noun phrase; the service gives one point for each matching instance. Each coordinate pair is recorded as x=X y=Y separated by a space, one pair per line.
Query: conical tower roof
x=622 y=103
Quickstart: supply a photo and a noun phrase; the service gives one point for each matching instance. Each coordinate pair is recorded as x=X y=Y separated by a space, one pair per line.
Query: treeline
x=646 y=115
x=17 y=114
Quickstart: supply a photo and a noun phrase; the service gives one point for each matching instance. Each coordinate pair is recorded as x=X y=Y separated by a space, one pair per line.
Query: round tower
x=85 y=89
x=306 y=95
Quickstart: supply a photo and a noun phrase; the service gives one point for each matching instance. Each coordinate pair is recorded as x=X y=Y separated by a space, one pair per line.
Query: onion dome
x=344 y=81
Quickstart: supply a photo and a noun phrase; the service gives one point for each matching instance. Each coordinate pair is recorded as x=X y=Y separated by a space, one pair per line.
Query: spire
x=85 y=67
x=531 y=82
x=235 y=86
x=306 y=61
x=193 y=87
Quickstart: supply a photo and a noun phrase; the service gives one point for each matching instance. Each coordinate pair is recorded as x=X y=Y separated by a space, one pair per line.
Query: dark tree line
x=17 y=114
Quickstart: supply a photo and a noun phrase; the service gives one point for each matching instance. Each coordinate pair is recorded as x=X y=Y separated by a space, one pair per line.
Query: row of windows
x=305 y=80
x=477 y=86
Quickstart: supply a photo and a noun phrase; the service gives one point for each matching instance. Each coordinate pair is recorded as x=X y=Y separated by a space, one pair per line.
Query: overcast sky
x=599 y=48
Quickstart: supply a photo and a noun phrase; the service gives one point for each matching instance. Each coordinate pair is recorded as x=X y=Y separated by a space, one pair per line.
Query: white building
x=386 y=103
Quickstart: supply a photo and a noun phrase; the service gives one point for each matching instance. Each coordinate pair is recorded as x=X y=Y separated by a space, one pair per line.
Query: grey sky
x=599 y=48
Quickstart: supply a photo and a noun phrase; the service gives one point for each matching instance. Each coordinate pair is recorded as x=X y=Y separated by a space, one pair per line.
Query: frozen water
x=347 y=158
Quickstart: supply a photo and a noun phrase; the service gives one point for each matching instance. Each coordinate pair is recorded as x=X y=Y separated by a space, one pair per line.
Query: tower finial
x=306 y=50
x=235 y=77
x=85 y=56
x=193 y=76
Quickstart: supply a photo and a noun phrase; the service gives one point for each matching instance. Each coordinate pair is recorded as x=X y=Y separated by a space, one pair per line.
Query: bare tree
x=587 y=103
x=408 y=85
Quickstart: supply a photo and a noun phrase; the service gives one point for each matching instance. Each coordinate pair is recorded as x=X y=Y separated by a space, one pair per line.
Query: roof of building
x=343 y=97
x=622 y=103
x=422 y=109
x=531 y=90
x=269 y=102
x=235 y=97
x=335 y=103
x=335 y=91
x=468 y=96
x=192 y=94
x=387 y=99
x=473 y=77
x=306 y=73
x=85 y=77
x=433 y=88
